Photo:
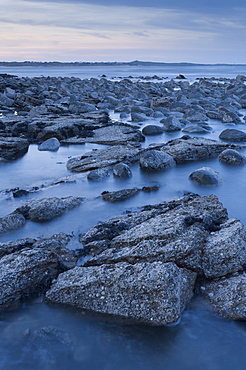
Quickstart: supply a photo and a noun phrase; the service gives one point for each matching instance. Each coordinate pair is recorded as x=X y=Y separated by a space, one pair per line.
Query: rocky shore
x=144 y=265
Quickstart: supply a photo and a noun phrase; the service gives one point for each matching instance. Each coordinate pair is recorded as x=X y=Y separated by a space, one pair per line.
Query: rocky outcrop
x=103 y=158
x=171 y=243
x=29 y=266
x=12 y=148
x=193 y=149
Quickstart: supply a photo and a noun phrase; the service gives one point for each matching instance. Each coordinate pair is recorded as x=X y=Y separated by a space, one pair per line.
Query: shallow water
x=84 y=341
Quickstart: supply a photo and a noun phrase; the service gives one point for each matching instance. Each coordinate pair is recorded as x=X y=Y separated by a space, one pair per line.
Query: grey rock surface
x=232 y=134
x=151 y=160
x=51 y=144
x=98 y=174
x=206 y=176
x=30 y=267
x=12 y=147
x=11 y=222
x=151 y=130
x=41 y=210
x=196 y=148
x=150 y=293
x=119 y=195
x=103 y=158
x=232 y=157
x=122 y=170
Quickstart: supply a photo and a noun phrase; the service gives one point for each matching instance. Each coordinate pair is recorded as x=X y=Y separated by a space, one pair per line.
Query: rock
x=119 y=195
x=232 y=157
x=51 y=144
x=206 y=176
x=41 y=210
x=230 y=117
x=180 y=77
x=98 y=175
x=122 y=170
x=232 y=134
x=193 y=115
x=138 y=117
x=195 y=129
x=103 y=158
x=12 y=147
x=156 y=160
x=227 y=296
x=150 y=293
x=5 y=101
x=11 y=222
x=31 y=269
x=193 y=149
x=151 y=130
x=171 y=123
x=214 y=115
x=115 y=135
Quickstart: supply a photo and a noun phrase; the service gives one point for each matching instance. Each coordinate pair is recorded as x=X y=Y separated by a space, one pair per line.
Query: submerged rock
x=232 y=157
x=206 y=176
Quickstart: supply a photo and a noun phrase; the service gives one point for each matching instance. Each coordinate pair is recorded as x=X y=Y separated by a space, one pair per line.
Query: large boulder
x=156 y=160
x=151 y=293
x=151 y=130
x=13 y=147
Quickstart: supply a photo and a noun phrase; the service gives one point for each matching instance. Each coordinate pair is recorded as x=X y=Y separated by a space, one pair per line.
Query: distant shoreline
x=91 y=64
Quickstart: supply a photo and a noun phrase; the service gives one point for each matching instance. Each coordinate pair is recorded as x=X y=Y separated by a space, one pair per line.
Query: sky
x=196 y=31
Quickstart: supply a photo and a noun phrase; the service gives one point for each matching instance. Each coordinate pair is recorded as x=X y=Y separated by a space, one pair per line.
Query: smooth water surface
x=43 y=336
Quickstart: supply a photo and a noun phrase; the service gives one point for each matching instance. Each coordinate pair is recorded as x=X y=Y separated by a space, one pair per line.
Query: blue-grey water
x=85 y=341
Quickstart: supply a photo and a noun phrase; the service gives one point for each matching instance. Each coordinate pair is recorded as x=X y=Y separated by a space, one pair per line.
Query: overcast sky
x=198 y=31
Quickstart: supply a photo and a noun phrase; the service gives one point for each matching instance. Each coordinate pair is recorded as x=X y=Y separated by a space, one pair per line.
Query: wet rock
x=232 y=134
x=5 y=101
x=193 y=149
x=151 y=293
x=12 y=147
x=122 y=170
x=206 y=176
x=171 y=123
x=11 y=222
x=119 y=195
x=41 y=210
x=227 y=296
x=98 y=175
x=31 y=269
x=193 y=115
x=195 y=129
x=103 y=158
x=156 y=160
x=138 y=117
x=51 y=144
x=214 y=115
x=232 y=157
x=151 y=130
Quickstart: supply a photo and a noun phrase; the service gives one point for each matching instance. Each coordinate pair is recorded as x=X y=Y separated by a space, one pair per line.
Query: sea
x=75 y=339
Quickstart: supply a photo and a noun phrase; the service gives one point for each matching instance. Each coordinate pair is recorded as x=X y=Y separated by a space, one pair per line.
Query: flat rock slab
x=12 y=147
x=110 y=135
x=151 y=293
x=193 y=149
x=41 y=210
x=103 y=158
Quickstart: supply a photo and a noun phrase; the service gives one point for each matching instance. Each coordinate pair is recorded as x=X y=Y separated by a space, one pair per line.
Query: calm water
x=84 y=341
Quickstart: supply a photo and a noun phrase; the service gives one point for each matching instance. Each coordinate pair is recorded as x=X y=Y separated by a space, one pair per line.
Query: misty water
x=84 y=340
